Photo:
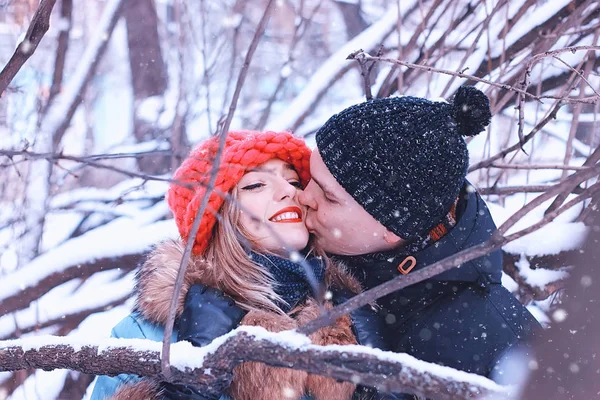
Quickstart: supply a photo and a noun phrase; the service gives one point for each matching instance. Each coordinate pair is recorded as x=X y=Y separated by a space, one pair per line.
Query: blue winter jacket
x=131 y=327
x=463 y=318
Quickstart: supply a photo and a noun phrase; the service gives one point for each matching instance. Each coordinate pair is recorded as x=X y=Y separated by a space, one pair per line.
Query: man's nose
x=306 y=198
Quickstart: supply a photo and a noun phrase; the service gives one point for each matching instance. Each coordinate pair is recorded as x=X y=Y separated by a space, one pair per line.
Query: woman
x=238 y=250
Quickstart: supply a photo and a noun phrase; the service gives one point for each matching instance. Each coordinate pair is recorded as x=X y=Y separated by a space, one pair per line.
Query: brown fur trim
x=154 y=288
x=142 y=390
x=155 y=280
x=320 y=387
x=337 y=275
x=252 y=380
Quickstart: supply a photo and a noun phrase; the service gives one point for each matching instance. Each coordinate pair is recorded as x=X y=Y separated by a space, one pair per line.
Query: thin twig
x=165 y=364
x=551 y=115
x=366 y=57
x=508 y=190
x=527 y=77
x=536 y=166
x=581 y=75
x=591 y=161
x=205 y=63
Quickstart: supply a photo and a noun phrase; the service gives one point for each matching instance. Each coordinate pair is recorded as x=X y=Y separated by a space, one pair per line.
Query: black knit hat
x=403 y=158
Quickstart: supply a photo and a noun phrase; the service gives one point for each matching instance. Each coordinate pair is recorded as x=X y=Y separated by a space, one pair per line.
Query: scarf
x=292 y=283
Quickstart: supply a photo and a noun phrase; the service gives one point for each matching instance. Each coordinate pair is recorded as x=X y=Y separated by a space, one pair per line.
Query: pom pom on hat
x=472 y=111
x=243 y=150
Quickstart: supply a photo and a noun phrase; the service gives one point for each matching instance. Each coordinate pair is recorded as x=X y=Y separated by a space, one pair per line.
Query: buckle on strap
x=409 y=259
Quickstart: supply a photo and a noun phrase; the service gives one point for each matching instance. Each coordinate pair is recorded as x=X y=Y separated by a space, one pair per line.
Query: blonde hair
x=250 y=284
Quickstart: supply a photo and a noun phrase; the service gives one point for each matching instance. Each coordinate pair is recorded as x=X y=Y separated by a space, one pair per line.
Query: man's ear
x=391 y=237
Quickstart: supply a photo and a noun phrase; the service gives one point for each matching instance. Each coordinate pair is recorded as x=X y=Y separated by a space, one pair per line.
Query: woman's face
x=270 y=211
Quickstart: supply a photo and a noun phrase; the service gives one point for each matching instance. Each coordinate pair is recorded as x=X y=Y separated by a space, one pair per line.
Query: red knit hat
x=243 y=151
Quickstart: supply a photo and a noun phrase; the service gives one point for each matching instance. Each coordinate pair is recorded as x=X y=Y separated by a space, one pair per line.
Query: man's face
x=340 y=224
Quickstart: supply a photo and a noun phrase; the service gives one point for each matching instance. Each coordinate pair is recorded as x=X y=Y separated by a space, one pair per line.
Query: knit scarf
x=291 y=281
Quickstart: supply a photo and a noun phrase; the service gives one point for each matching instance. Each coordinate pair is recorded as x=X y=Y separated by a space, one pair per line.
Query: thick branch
x=207 y=367
x=40 y=24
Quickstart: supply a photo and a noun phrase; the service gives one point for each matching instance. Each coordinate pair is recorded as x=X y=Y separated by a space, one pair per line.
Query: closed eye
x=253 y=186
x=297 y=184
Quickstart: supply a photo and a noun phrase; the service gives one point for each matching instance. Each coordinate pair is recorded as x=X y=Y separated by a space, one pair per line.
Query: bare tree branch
x=527 y=78
x=66 y=10
x=40 y=24
x=551 y=115
x=508 y=190
x=367 y=57
x=536 y=166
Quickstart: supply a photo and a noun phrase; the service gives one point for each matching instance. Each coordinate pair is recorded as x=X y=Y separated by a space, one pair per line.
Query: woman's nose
x=285 y=189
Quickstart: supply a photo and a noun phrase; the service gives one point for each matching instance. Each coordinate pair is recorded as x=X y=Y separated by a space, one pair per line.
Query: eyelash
x=253 y=186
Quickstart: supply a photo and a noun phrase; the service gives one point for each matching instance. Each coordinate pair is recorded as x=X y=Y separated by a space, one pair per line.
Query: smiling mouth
x=287 y=215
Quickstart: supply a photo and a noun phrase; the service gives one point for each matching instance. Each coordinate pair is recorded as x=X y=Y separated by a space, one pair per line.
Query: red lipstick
x=290 y=218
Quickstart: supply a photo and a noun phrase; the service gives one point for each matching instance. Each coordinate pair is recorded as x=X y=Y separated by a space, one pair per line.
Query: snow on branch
x=70 y=303
x=118 y=244
x=209 y=367
x=334 y=68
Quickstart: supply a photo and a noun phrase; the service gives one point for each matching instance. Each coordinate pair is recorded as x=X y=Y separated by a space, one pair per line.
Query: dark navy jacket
x=463 y=318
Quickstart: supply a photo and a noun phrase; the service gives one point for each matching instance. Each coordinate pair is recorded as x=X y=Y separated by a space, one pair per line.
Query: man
x=388 y=196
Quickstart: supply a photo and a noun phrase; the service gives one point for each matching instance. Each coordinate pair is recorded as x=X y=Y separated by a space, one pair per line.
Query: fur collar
x=155 y=280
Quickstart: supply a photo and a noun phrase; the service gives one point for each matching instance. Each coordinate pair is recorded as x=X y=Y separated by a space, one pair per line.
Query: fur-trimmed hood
x=155 y=281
